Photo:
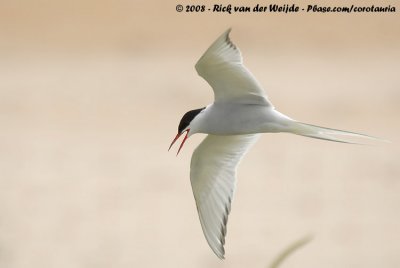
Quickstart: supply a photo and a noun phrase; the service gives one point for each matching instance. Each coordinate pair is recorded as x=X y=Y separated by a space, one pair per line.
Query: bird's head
x=185 y=126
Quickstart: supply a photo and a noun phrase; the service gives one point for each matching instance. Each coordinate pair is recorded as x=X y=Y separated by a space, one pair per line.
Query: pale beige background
x=91 y=93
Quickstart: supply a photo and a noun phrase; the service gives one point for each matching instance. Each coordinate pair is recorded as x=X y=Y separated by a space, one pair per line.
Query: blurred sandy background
x=91 y=94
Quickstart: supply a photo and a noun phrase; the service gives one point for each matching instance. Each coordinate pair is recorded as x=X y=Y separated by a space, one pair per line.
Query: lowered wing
x=213 y=178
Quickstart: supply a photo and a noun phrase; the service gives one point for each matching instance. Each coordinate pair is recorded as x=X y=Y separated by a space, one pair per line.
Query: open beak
x=177 y=137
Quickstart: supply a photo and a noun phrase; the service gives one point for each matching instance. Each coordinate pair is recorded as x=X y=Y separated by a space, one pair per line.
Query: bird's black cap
x=187 y=118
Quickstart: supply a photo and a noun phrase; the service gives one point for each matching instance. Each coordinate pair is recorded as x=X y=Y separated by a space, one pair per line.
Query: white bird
x=240 y=111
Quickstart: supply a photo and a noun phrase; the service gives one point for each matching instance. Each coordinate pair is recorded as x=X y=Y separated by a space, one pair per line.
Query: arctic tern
x=241 y=110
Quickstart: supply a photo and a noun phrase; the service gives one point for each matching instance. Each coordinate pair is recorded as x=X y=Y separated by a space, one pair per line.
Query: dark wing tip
x=228 y=40
x=221 y=254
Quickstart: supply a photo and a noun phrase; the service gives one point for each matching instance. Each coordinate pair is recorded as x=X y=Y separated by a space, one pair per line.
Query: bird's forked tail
x=330 y=134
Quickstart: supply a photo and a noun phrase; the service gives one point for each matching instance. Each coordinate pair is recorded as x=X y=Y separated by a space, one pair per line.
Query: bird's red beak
x=177 y=137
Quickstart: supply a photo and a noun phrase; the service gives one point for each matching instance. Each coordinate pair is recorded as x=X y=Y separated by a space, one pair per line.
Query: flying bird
x=241 y=110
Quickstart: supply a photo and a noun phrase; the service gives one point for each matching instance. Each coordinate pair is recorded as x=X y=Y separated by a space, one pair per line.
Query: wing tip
x=220 y=253
x=227 y=38
x=223 y=42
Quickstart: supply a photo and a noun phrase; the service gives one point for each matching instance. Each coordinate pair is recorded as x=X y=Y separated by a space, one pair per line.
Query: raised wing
x=213 y=177
x=222 y=67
